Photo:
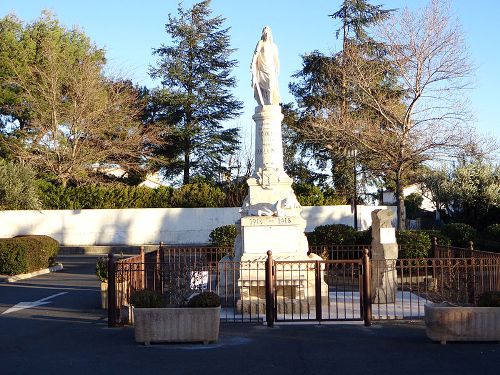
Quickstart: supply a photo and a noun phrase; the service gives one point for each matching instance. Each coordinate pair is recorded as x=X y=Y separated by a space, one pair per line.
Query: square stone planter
x=187 y=324
x=445 y=322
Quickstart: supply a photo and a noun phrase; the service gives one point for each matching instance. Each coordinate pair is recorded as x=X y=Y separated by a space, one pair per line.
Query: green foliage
x=468 y=192
x=460 y=234
x=223 y=236
x=333 y=234
x=414 y=244
x=489 y=299
x=195 y=71
x=147 y=299
x=26 y=254
x=95 y=196
x=101 y=269
x=364 y=237
x=17 y=187
x=204 y=299
x=198 y=194
x=412 y=205
x=65 y=114
x=492 y=232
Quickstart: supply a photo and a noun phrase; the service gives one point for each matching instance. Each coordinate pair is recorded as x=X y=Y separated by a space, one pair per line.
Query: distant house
x=152 y=180
x=428 y=219
x=388 y=197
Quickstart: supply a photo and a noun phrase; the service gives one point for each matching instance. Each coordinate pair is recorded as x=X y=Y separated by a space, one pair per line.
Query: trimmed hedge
x=25 y=254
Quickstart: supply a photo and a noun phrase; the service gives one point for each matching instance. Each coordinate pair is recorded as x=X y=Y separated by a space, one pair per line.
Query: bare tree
x=414 y=94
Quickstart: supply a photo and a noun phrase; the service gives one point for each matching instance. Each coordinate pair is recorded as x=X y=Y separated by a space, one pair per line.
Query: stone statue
x=265 y=69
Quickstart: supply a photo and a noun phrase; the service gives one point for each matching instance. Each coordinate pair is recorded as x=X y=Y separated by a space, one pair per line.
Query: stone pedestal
x=384 y=255
x=271 y=220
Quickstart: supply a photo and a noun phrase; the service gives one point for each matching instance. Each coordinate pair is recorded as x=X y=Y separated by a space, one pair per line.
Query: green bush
x=414 y=244
x=147 y=299
x=95 y=196
x=101 y=269
x=25 y=254
x=459 y=234
x=333 y=234
x=204 y=299
x=492 y=232
x=223 y=236
x=364 y=237
x=489 y=299
x=441 y=238
x=198 y=194
x=18 y=189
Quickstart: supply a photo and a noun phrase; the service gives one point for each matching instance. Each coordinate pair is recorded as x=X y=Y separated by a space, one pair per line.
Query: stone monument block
x=384 y=255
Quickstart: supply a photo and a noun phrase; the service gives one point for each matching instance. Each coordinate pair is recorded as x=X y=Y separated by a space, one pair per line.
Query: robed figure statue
x=265 y=69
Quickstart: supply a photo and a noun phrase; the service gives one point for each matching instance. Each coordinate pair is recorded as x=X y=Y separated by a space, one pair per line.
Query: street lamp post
x=353 y=152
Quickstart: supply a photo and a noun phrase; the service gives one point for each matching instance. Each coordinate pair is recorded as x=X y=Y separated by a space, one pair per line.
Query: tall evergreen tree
x=195 y=97
x=323 y=86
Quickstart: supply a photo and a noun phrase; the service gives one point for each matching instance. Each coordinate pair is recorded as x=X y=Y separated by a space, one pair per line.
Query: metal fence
x=277 y=290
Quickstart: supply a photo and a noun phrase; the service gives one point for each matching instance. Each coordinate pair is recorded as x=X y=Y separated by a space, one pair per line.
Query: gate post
x=367 y=290
x=317 y=291
x=270 y=289
x=111 y=291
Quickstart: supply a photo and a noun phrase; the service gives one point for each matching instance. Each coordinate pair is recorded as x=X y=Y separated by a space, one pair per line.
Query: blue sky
x=129 y=30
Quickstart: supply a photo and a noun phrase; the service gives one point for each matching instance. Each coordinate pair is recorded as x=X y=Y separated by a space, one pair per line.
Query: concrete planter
x=185 y=324
x=445 y=322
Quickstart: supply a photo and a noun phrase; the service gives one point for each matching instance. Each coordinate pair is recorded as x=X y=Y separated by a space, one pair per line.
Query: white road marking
x=28 y=305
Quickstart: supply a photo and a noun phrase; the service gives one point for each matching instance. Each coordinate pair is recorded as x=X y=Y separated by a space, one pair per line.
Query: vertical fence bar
x=111 y=291
x=161 y=254
x=142 y=270
x=269 y=289
x=367 y=290
x=317 y=284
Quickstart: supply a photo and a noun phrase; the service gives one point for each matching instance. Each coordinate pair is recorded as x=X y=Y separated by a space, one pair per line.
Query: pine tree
x=195 y=97
x=323 y=86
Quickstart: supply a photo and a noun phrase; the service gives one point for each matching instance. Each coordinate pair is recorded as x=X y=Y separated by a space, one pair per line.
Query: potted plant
x=448 y=322
x=101 y=271
x=196 y=320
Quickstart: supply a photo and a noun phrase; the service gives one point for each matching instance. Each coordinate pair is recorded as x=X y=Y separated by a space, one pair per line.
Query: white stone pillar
x=268 y=142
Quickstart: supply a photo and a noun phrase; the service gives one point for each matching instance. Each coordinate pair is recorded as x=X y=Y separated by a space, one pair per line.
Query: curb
x=12 y=279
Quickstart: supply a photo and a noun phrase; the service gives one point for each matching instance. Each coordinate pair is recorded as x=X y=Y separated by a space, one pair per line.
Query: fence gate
x=324 y=290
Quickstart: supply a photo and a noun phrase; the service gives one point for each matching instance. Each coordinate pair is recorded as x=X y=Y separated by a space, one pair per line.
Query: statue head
x=267 y=35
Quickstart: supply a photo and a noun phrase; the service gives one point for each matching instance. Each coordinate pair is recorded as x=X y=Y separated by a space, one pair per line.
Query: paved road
x=70 y=335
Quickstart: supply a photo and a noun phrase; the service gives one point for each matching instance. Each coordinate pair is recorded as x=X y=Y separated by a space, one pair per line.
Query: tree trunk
x=186 y=166
x=400 y=203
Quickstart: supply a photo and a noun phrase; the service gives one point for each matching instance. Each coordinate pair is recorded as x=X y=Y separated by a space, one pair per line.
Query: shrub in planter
x=223 y=236
x=204 y=299
x=489 y=299
x=25 y=254
x=414 y=244
x=459 y=234
x=198 y=321
x=147 y=298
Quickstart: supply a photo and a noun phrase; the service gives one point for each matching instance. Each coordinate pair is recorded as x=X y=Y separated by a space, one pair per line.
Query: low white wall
x=151 y=225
